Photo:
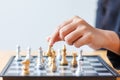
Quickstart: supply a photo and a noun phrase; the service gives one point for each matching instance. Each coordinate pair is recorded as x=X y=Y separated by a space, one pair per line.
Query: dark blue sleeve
x=117 y=30
x=108 y=14
x=108 y=18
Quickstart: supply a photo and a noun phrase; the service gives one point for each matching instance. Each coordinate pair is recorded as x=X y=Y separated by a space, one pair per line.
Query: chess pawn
x=74 y=61
x=64 y=60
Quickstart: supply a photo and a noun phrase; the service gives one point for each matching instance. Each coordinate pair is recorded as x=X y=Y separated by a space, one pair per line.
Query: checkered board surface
x=92 y=66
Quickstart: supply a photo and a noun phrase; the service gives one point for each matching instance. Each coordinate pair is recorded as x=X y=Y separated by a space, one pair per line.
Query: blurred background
x=29 y=22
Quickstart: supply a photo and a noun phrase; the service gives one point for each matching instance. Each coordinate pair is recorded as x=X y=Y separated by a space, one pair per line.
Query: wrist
x=112 y=41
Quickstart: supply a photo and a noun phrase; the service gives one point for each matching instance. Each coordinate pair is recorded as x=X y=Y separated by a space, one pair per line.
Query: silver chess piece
x=80 y=55
x=40 y=63
x=59 y=56
x=18 y=57
x=79 y=70
x=28 y=56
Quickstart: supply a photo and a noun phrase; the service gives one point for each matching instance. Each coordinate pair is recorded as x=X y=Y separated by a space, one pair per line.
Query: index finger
x=55 y=36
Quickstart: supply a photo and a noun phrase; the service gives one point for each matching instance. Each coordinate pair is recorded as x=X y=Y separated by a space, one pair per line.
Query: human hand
x=78 y=32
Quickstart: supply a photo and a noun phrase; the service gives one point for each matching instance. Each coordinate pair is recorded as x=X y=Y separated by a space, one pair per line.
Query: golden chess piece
x=64 y=60
x=25 y=68
x=49 y=53
x=53 y=65
x=74 y=61
x=53 y=54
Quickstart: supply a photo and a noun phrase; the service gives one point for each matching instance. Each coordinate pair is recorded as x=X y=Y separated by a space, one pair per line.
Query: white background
x=29 y=22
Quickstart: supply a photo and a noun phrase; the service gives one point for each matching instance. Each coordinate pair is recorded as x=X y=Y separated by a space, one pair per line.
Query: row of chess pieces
x=61 y=55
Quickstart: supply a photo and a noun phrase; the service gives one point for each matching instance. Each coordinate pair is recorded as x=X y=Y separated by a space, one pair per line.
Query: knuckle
x=80 y=21
x=68 y=41
x=76 y=45
x=84 y=28
x=62 y=32
x=63 y=24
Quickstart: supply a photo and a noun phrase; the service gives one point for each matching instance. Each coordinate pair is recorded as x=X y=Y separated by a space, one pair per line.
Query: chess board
x=94 y=68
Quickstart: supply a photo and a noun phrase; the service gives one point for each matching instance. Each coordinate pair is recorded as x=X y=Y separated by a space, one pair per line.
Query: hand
x=78 y=32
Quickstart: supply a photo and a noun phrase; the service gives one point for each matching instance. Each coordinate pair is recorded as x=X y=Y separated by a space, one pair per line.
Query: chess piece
x=40 y=55
x=53 y=54
x=25 y=68
x=80 y=56
x=52 y=57
x=40 y=62
x=18 y=57
x=49 y=61
x=59 y=57
x=49 y=53
x=64 y=60
x=28 y=53
x=74 y=61
x=79 y=70
x=53 y=64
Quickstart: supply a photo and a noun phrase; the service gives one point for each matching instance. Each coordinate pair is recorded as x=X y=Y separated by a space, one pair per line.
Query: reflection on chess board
x=93 y=68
